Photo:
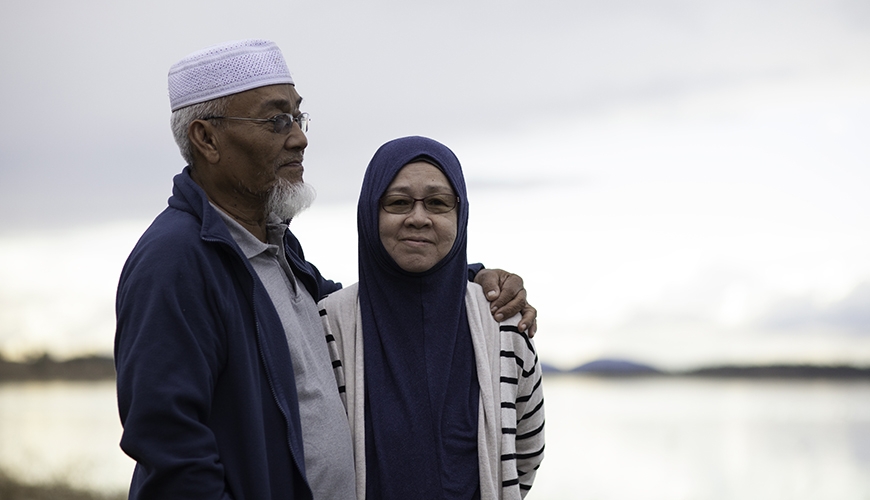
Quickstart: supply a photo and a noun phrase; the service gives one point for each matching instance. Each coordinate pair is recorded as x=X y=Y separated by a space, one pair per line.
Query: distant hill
x=615 y=367
x=548 y=368
x=605 y=367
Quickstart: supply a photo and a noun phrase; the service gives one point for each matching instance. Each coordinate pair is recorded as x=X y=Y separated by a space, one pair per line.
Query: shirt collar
x=249 y=244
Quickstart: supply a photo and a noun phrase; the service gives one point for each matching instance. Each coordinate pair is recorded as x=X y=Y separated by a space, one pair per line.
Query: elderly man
x=225 y=388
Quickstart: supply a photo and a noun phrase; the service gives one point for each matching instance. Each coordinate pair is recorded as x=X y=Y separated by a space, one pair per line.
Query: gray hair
x=182 y=118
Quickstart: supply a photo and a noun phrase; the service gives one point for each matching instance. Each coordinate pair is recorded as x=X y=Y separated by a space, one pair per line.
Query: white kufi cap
x=226 y=69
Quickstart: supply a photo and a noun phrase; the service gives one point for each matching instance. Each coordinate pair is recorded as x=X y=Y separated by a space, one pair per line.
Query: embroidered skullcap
x=226 y=69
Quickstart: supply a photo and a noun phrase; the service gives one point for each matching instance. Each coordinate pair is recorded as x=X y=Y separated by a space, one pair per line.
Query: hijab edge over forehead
x=382 y=169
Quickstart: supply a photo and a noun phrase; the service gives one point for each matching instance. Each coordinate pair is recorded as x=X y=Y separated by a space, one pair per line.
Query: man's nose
x=296 y=139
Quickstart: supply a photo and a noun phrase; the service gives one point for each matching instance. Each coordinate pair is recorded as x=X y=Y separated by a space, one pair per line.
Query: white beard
x=289 y=199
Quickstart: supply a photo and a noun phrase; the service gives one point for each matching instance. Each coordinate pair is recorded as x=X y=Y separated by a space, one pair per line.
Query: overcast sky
x=85 y=132
x=673 y=167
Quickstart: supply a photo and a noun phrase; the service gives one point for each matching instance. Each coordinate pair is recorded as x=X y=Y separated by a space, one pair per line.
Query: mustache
x=296 y=158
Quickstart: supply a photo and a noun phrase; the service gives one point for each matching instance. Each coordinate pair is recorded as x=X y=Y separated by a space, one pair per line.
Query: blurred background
x=681 y=183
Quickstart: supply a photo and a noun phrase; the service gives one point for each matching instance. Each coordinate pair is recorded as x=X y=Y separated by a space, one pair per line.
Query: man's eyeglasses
x=434 y=204
x=281 y=123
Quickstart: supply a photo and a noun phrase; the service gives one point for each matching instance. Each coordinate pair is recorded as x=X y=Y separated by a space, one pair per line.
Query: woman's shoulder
x=476 y=299
x=340 y=298
x=509 y=335
x=340 y=308
x=339 y=311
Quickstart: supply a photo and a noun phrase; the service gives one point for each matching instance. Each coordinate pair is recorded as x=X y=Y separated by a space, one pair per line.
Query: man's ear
x=202 y=137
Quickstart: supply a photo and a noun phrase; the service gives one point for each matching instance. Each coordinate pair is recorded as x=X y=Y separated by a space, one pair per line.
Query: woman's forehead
x=420 y=175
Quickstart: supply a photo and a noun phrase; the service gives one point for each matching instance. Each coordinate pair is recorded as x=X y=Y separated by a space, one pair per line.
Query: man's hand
x=507 y=296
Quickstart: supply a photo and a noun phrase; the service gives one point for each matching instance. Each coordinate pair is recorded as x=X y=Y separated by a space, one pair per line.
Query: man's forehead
x=273 y=97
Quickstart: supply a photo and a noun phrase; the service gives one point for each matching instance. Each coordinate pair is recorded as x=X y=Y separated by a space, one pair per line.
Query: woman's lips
x=415 y=241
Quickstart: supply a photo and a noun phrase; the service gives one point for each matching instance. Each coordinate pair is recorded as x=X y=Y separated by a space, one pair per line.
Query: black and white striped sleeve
x=523 y=407
x=334 y=354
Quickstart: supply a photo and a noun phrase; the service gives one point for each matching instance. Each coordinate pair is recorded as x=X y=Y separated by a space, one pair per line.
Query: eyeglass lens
x=434 y=204
x=284 y=122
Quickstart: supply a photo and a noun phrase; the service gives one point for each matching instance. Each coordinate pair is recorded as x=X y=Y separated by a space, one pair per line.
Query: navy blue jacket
x=206 y=390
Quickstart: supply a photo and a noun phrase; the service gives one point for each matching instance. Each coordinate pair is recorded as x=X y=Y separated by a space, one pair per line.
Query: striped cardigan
x=511 y=414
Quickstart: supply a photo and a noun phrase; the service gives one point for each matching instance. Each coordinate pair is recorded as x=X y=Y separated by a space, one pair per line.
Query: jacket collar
x=189 y=197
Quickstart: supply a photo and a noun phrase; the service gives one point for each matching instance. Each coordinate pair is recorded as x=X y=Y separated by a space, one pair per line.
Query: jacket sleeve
x=530 y=412
x=473 y=269
x=169 y=349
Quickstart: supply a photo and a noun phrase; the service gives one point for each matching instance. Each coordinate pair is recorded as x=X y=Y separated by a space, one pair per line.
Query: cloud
x=850 y=314
x=506 y=183
x=85 y=119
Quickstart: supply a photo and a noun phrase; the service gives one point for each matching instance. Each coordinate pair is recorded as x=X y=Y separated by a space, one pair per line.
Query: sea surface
x=626 y=439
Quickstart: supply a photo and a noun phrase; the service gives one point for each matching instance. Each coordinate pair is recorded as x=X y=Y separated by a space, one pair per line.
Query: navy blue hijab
x=421 y=387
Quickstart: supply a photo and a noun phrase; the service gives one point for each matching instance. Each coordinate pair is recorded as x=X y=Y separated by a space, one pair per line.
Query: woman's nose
x=418 y=215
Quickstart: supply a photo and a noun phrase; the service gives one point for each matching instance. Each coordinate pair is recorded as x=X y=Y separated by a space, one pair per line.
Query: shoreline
x=620 y=369
x=45 y=368
x=102 y=368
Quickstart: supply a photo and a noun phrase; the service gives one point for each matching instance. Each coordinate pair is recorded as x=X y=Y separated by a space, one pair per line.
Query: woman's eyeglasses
x=434 y=204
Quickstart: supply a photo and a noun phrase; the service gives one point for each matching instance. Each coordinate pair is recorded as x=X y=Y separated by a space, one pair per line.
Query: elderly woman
x=443 y=401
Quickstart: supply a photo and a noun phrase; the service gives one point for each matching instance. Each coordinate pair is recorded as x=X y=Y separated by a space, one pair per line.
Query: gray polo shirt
x=325 y=430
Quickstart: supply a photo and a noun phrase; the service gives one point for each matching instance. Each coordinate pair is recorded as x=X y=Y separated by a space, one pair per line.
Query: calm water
x=701 y=439
x=607 y=439
x=66 y=431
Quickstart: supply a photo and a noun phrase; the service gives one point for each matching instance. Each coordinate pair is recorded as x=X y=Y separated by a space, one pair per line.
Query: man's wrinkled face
x=253 y=155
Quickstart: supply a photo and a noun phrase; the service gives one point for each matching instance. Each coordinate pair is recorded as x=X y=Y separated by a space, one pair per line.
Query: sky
x=680 y=182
